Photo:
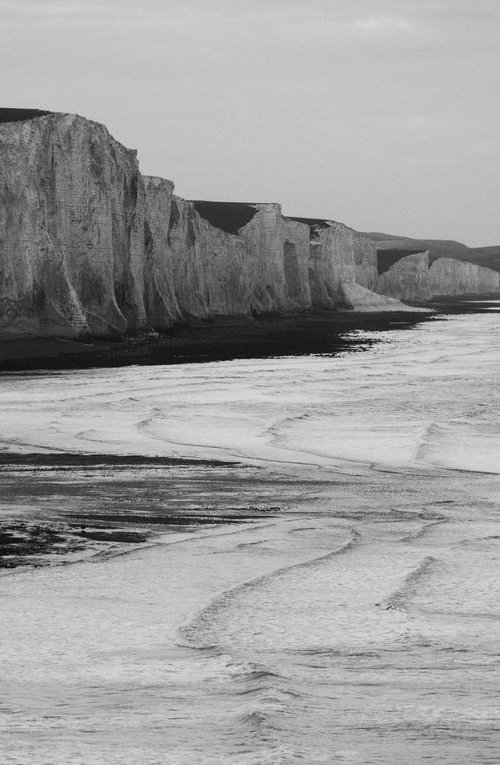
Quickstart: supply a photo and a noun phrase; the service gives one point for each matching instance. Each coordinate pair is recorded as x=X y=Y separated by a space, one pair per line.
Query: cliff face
x=277 y=252
x=89 y=246
x=390 y=249
x=208 y=264
x=255 y=261
x=338 y=258
x=416 y=278
x=271 y=263
x=71 y=239
x=206 y=270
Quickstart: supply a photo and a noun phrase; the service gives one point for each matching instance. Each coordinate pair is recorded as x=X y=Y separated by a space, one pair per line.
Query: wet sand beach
x=318 y=575
x=217 y=339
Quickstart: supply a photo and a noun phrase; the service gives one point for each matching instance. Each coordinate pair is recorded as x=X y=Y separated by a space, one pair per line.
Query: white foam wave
x=428 y=395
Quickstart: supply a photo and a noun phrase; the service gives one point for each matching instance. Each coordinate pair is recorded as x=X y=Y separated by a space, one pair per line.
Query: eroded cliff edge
x=418 y=278
x=88 y=246
x=417 y=270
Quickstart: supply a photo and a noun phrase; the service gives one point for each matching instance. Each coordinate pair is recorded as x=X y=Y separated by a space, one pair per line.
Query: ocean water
x=360 y=624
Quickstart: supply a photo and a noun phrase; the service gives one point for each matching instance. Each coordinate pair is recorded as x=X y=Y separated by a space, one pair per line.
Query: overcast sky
x=383 y=114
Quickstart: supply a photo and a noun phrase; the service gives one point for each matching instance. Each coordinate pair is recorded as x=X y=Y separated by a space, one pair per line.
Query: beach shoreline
x=198 y=341
x=322 y=588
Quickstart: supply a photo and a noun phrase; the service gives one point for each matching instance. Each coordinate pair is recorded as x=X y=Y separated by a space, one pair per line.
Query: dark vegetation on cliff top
x=487 y=256
x=228 y=216
x=387 y=258
x=18 y=115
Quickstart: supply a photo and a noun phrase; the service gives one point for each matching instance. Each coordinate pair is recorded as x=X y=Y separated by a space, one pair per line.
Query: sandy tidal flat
x=356 y=622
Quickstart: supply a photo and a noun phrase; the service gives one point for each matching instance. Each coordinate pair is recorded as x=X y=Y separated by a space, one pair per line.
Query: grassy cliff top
x=20 y=115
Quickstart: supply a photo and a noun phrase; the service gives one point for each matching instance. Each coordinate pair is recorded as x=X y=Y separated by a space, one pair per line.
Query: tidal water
x=358 y=624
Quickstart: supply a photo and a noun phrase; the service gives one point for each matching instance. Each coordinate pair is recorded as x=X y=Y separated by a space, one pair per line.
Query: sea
x=357 y=620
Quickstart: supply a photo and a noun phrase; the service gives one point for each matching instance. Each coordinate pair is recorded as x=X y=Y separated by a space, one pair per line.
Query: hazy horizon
x=381 y=114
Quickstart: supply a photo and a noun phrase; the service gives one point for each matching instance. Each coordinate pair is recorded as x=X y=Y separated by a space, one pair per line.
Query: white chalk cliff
x=71 y=229
x=418 y=278
x=88 y=246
